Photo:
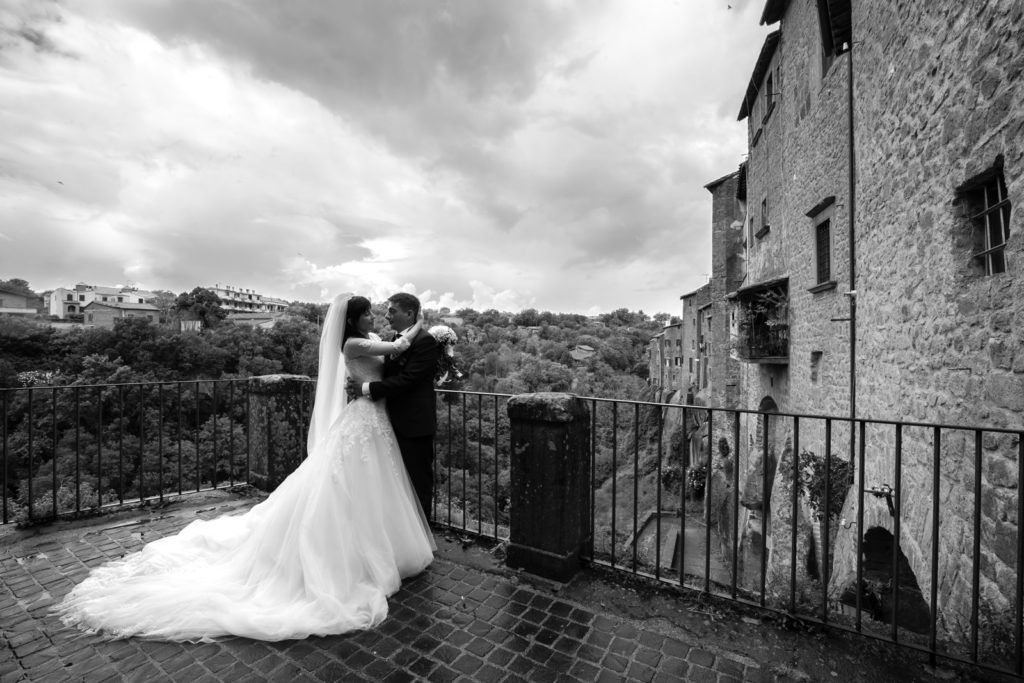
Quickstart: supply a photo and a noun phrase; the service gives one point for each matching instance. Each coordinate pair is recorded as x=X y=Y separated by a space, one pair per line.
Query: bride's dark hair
x=357 y=305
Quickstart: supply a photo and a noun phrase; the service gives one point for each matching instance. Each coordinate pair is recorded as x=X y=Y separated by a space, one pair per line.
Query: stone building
x=14 y=302
x=728 y=269
x=100 y=314
x=694 y=334
x=665 y=360
x=883 y=278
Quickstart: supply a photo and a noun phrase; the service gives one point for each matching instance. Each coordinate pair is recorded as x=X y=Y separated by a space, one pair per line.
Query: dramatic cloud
x=480 y=153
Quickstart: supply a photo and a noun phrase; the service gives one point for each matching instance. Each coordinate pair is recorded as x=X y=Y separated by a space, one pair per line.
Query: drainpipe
x=852 y=294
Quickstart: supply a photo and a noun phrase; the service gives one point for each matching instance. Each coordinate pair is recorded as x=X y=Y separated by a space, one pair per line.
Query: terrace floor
x=467 y=618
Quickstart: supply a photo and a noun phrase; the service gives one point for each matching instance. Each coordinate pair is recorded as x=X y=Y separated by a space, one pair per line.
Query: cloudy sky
x=485 y=153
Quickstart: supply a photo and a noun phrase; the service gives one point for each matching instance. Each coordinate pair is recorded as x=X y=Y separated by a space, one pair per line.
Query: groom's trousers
x=418 y=456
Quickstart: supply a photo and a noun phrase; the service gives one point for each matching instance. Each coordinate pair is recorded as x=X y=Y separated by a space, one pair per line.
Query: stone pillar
x=279 y=410
x=549 y=523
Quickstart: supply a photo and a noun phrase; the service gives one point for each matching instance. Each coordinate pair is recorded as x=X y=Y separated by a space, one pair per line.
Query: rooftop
x=126 y=305
x=771 y=42
x=16 y=292
x=467 y=618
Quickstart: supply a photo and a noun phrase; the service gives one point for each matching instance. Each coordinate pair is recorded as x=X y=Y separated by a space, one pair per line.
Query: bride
x=319 y=556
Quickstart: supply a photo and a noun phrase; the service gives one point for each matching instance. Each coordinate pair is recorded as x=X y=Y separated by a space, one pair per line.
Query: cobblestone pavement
x=458 y=621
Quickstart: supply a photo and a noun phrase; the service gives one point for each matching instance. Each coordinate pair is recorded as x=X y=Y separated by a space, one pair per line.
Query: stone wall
x=728 y=267
x=938 y=99
x=278 y=414
x=766 y=256
x=727 y=270
x=800 y=160
x=939 y=96
x=690 y=335
x=816 y=168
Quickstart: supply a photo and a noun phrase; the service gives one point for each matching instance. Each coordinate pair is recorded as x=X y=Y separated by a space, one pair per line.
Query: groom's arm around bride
x=408 y=388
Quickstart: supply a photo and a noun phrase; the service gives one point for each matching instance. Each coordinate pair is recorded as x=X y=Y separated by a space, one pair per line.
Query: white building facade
x=65 y=301
x=241 y=300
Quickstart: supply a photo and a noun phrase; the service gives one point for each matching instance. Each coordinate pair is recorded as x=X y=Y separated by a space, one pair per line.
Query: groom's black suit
x=408 y=387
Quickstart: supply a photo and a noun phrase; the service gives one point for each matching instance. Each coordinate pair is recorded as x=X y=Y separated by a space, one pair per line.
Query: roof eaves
x=710 y=187
x=758 y=286
x=705 y=286
x=771 y=41
x=773 y=11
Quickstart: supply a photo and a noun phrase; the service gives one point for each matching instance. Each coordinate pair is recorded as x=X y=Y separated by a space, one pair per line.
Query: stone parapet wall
x=279 y=411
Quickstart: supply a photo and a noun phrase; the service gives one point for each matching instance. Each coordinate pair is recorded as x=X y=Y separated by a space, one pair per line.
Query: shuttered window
x=823 y=250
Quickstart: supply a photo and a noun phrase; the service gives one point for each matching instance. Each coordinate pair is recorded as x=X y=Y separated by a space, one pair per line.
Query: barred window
x=988 y=209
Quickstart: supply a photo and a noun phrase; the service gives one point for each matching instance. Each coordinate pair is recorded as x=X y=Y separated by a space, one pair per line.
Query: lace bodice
x=364 y=358
x=365 y=368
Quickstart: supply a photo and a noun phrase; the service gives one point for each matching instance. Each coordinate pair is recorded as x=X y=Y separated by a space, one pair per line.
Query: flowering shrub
x=696 y=480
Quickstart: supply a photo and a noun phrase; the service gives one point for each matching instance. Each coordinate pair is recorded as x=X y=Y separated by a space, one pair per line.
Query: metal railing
x=899 y=531
x=866 y=526
x=472 y=448
x=80 y=449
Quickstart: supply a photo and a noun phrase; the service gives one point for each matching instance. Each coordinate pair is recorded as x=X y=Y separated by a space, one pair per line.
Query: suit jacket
x=408 y=387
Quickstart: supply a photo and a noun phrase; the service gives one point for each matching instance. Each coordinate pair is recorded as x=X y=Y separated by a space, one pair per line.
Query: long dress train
x=319 y=556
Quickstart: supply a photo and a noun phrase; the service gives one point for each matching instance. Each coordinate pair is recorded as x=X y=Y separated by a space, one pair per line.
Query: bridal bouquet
x=447 y=372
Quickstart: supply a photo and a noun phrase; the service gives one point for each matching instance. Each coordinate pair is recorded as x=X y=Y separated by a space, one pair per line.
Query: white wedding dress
x=319 y=556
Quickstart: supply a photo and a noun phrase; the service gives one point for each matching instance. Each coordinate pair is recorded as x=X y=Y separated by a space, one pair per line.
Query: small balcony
x=761 y=333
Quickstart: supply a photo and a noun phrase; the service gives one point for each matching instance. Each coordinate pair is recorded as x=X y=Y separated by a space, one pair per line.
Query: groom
x=408 y=387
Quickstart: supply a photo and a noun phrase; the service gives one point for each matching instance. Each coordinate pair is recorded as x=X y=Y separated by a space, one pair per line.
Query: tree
x=296 y=345
x=24 y=346
x=191 y=356
x=313 y=313
x=165 y=301
x=18 y=285
x=134 y=337
x=201 y=304
x=527 y=318
x=491 y=317
x=468 y=315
